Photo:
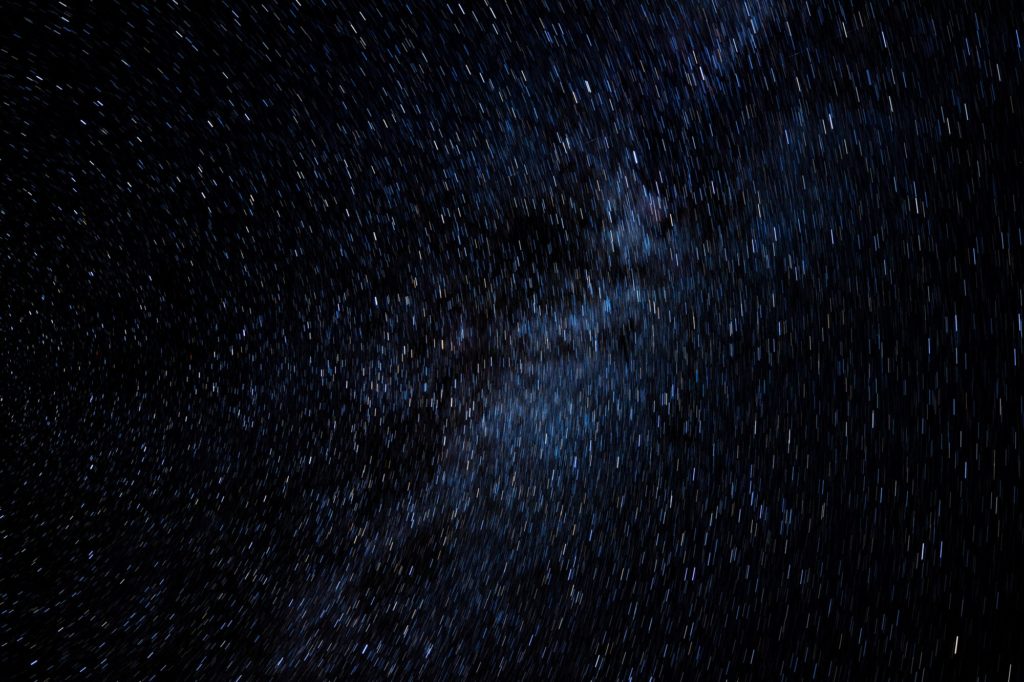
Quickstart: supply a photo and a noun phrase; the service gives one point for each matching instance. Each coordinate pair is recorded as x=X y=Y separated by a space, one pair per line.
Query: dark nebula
x=559 y=340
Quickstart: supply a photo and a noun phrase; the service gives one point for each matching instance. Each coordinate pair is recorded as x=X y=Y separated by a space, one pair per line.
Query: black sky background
x=514 y=341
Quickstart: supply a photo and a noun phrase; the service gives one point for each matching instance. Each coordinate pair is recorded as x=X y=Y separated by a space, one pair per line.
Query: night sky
x=557 y=340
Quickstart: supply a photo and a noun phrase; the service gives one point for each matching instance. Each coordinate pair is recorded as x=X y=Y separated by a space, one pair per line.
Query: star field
x=505 y=340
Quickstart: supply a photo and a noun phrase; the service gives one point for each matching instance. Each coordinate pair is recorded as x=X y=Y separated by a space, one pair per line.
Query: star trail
x=512 y=340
